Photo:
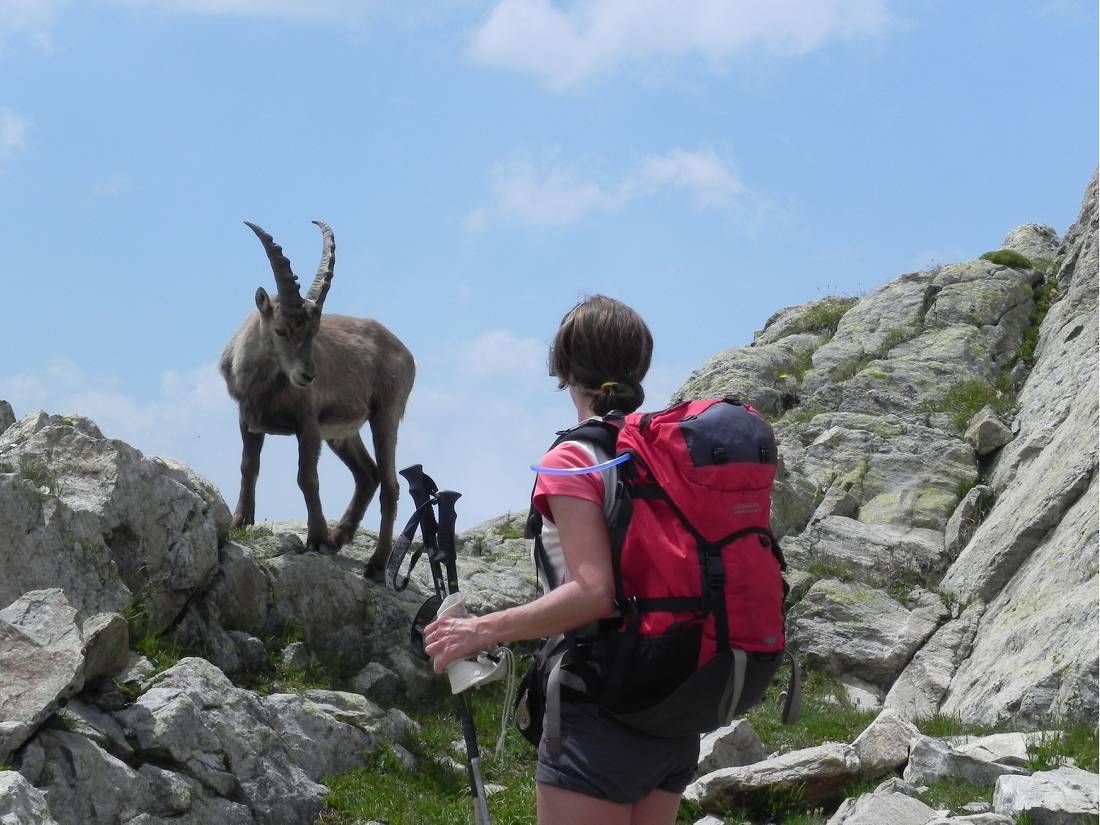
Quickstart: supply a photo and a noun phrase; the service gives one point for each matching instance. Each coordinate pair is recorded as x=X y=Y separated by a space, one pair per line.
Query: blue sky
x=484 y=164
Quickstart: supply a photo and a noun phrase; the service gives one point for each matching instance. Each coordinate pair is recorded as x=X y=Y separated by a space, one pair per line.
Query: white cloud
x=340 y=11
x=500 y=351
x=28 y=20
x=564 y=46
x=13 y=132
x=555 y=194
x=552 y=196
x=703 y=173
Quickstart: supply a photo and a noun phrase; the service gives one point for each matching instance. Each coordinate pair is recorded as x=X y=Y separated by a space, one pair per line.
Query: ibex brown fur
x=293 y=371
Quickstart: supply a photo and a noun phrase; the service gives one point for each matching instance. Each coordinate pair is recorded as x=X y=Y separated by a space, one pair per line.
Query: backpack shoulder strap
x=603 y=433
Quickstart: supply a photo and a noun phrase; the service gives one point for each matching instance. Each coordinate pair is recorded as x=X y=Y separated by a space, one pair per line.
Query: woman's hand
x=453 y=638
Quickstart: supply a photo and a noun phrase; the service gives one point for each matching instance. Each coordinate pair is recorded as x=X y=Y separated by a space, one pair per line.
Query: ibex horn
x=285 y=279
x=323 y=279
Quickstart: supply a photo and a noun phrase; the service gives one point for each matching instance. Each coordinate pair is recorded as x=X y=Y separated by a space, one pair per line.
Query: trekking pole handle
x=447 y=553
x=422 y=488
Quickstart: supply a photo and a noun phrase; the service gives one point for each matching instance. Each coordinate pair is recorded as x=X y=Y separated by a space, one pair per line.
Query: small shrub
x=1006 y=257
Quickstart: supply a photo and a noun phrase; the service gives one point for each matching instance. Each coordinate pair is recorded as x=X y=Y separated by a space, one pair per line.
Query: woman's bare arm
x=588 y=594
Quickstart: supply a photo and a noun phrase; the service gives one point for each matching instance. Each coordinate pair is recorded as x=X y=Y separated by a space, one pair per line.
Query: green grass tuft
x=249 y=532
x=509 y=529
x=952 y=794
x=825 y=315
x=1079 y=744
x=1048 y=294
x=385 y=791
x=826 y=715
x=942 y=725
x=1006 y=257
x=162 y=653
x=60 y=721
x=966 y=398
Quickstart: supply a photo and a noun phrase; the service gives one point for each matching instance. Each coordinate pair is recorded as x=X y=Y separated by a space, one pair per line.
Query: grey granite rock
x=730 y=746
x=932 y=760
x=819 y=771
x=42 y=659
x=21 y=803
x=1064 y=796
x=856 y=630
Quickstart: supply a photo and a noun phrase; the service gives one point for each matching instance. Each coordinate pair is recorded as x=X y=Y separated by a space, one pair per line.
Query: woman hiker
x=603 y=773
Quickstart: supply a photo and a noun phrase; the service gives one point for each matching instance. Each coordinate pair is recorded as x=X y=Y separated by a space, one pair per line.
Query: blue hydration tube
x=580 y=471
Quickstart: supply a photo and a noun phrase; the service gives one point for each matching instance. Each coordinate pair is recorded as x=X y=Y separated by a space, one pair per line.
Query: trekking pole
x=439 y=542
x=446 y=556
x=422 y=488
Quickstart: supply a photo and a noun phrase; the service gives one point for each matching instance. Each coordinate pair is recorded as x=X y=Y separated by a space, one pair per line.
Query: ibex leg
x=245 y=513
x=353 y=452
x=309 y=451
x=383 y=425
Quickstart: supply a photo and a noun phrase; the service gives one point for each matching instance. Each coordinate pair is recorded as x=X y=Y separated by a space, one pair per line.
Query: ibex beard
x=294 y=371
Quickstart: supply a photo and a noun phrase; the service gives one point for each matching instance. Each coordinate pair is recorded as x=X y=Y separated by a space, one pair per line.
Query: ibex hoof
x=321 y=545
x=375 y=572
x=343 y=535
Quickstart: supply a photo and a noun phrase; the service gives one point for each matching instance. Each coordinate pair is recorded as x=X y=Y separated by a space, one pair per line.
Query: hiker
x=603 y=772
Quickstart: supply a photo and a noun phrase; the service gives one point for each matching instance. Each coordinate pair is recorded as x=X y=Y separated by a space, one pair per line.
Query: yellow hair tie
x=609 y=385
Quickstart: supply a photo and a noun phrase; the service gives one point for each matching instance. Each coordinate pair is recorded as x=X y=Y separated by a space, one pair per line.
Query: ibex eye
x=280 y=332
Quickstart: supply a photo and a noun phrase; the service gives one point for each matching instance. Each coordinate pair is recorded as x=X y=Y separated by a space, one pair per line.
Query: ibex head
x=290 y=323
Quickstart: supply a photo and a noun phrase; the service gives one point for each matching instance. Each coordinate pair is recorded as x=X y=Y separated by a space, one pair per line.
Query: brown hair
x=603 y=346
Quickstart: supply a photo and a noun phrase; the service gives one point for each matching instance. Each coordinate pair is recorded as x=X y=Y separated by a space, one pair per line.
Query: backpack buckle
x=716 y=571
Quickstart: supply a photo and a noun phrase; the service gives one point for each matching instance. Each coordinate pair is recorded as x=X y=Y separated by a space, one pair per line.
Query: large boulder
x=883 y=746
x=818 y=772
x=880 y=469
x=933 y=760
x=129 y=528
x=237 y=746
x=855 y=630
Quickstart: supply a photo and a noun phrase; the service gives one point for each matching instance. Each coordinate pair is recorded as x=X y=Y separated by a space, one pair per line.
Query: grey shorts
x=601 y=758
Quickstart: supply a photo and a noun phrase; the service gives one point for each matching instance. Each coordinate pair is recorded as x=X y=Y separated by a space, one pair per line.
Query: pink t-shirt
x=568 y=455
x=588 y=486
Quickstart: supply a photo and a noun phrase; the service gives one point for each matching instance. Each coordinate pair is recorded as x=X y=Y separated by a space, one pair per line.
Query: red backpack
x=698 y=577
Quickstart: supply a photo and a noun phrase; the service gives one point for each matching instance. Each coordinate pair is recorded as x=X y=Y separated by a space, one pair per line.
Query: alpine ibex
x=293 y=372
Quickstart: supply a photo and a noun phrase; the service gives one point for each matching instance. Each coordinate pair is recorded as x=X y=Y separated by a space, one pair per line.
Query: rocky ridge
x=937 y=502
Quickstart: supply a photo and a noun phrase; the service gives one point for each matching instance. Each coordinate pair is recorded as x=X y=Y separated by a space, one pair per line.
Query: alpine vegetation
x=294 y=372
